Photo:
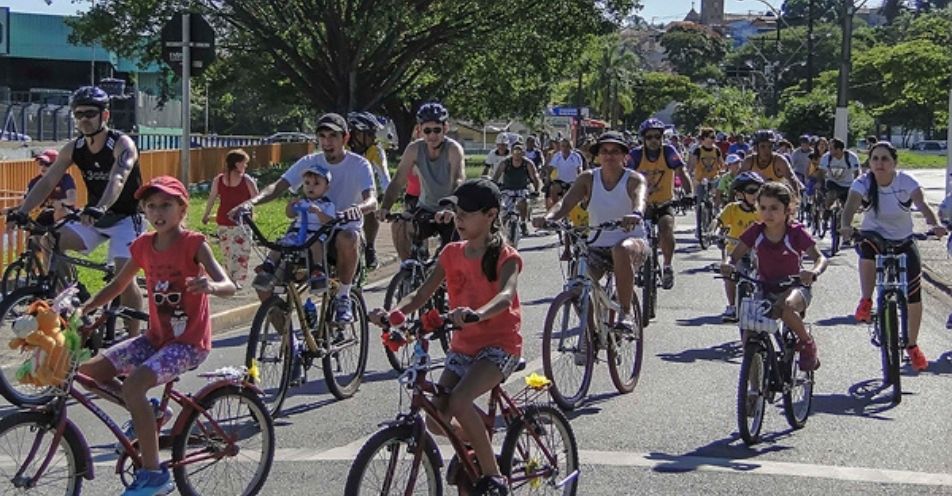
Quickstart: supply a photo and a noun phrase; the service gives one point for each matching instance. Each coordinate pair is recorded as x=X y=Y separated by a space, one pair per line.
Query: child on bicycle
x=779 y=243
x=180 y=273
x=320 y=210
x=734 y=219
x=481 y=273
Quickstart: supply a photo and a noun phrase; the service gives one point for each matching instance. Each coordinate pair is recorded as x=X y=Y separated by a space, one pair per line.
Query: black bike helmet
x=745 y=179
x=91 y=96
x=649 y=124
x=363 y=122
x=432 y=112
x=763 y=135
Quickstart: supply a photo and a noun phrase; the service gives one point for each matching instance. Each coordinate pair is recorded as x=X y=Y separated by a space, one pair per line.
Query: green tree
x=726 y=109
x=795 y=12
x=694 y=50
x=655 y=90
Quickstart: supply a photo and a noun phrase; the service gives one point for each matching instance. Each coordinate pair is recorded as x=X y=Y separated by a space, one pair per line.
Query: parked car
x=12 y=136
x=289 y=137
x=932 y=147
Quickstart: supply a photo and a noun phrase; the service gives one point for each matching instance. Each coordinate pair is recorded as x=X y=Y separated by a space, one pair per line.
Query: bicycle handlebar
x=245 y=218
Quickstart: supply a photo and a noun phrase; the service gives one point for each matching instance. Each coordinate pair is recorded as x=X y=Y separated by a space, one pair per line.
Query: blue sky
x=661 y=10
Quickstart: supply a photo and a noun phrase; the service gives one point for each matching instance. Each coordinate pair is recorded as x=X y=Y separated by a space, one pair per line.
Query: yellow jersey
x=769 y=173
x=736 y=220
x=659 y=173
x=708 y=163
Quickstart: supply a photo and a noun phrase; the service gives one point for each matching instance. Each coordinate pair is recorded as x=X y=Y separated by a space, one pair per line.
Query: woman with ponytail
x=481 y=273
x=886 y=195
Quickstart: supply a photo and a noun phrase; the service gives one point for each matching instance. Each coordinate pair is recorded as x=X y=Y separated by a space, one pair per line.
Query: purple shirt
x=777 y=261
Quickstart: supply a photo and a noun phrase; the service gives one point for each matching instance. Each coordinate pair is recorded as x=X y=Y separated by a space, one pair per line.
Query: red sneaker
x=864 y=311
x=918 y=358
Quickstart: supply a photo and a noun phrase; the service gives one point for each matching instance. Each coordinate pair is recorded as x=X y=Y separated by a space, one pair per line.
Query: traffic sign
x=202 y=43
x=567 y=111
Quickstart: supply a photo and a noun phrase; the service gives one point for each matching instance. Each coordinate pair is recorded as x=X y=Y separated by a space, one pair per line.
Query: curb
x=232 y=318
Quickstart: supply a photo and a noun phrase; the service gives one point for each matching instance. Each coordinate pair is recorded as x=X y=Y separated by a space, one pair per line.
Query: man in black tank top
x=109 y=162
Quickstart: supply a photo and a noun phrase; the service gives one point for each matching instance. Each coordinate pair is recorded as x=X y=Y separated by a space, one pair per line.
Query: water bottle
x=161 y=415
x=310 y=313
x=301 y=207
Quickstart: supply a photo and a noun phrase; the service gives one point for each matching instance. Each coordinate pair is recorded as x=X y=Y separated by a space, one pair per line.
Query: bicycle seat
x=521 y=365
x=881 y=244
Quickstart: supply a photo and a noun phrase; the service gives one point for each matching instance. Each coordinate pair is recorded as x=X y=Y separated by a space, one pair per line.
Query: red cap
x=166 y=184
x=47 y=157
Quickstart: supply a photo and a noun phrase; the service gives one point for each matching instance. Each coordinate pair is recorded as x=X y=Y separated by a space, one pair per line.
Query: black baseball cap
x=332 y=121
x=609 y=137
x=474 y=195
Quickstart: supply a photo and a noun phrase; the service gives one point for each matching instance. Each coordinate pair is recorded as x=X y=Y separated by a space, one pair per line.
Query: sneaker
x=492 y=485
x=626 y=324
x=667 y=278
x=370 y=258
x=342 y=310
x=151 y=483
x=524 y=228
x=918 y=358
x=808 y=355
x=129 y=430
x=318 y=281
x=864 y=311
x=729 y=315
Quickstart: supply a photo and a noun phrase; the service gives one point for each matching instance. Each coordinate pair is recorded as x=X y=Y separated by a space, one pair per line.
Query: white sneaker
x=730 y=314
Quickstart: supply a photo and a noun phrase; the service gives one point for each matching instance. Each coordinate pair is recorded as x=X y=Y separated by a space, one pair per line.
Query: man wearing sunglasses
x=438 y=161
x=659 y=164
x=109 y=163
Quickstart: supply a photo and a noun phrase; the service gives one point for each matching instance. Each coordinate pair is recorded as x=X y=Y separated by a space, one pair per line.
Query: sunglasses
x=652 y=136
x=171 y=298
x=85 y=114
x=432 y=130
x=751 y=191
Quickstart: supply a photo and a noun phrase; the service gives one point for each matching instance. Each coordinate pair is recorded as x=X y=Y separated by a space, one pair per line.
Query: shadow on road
x=835 y=321
x=869 y=398
x=538 y=301
x=941 y=365
x=703 y=269
x=728 y=453
x=724 y=352
x=315 y=386
x=238 y=339
x=539 y=247
x=701 y=321
x=590 y=405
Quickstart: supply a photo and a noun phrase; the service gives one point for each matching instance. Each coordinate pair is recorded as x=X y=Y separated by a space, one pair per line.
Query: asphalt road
x=676 y=433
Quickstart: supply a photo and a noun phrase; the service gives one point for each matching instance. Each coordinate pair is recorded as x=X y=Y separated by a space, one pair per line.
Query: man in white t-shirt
x=840 y=167
x=563 y=168
x=353 y=193
x=498 y=155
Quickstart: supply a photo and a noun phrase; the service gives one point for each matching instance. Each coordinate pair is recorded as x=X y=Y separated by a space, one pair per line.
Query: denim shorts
x=168 y=362
x=459 y=363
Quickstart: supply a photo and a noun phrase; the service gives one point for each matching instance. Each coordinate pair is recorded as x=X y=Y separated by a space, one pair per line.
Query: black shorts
x=654 y=213
x=410 y=202
x=331 y=248
x=562 y=184
x=841 y=192
x=425 y=229
x=867 y=250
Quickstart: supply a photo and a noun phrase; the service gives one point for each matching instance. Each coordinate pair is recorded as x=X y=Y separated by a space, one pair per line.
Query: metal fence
x=36 y=121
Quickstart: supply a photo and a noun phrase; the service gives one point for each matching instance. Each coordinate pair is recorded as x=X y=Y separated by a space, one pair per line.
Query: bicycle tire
x=655 y=283
x=834 y=233
x=624 y=375
x=331 y=362
x=647 y=288
x=402 y=284
x=750 y=423
x=568 y=393
x=273 y=380
x=523 y=441
x=42 y=425
x=15 y=305
x=700 y=214
x=797 y=408
x=890 y=345
x=256 y=422
x=395 y=440
x=513 y=232
x=18 y=274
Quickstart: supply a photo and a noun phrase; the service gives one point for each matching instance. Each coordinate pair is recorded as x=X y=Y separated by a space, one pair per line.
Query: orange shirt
x=467 y=286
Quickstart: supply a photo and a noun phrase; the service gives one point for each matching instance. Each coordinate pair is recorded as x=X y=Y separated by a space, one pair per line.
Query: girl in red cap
x=180 y=273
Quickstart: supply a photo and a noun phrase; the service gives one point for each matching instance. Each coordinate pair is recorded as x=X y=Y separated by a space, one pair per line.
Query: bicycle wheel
x=889 y=327
x=13 y=306
x=798 y=398
x=402 y=284
x=512 y=231
x=568 y=355
x=625 y=353
x=701 y=213
x=540 y=453
x=384 y=463
x=346 y=360
x=206 y=461
x=19 y=274
x=272 y=351
x=18 y=434
x=834 y=233
x=647 y=290
x=752 y=392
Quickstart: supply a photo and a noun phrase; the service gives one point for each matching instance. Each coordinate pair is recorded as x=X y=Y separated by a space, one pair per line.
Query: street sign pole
x=186 y=95
x=948 y=146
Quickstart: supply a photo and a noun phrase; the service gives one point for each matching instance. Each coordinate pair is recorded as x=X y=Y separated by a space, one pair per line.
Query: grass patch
x=909 y=159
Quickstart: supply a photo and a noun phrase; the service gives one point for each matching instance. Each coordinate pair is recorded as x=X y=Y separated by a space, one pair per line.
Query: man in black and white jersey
x=109 y=163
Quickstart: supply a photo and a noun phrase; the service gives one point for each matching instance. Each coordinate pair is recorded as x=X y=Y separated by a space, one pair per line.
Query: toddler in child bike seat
x=180 y=273
x=481 y=274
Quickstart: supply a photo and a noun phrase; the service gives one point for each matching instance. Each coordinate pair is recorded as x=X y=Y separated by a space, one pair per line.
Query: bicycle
x=539 y=451
x=413 y=271
x=46 y=284
x=580 y=322
x=705 y=229
x=275 y=348
x=889 y=330
x=649 y=278
x=770 y=365
x=224 y=423
x=511 y=218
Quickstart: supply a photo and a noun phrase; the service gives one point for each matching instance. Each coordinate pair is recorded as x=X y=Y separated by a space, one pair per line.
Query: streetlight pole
x=841 y=124
x=810 y=46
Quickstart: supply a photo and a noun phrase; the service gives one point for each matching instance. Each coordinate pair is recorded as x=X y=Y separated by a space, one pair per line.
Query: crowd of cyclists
x=767 y=193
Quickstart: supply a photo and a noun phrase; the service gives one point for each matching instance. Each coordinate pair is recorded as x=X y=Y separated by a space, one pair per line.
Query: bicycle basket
x=755 y=315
